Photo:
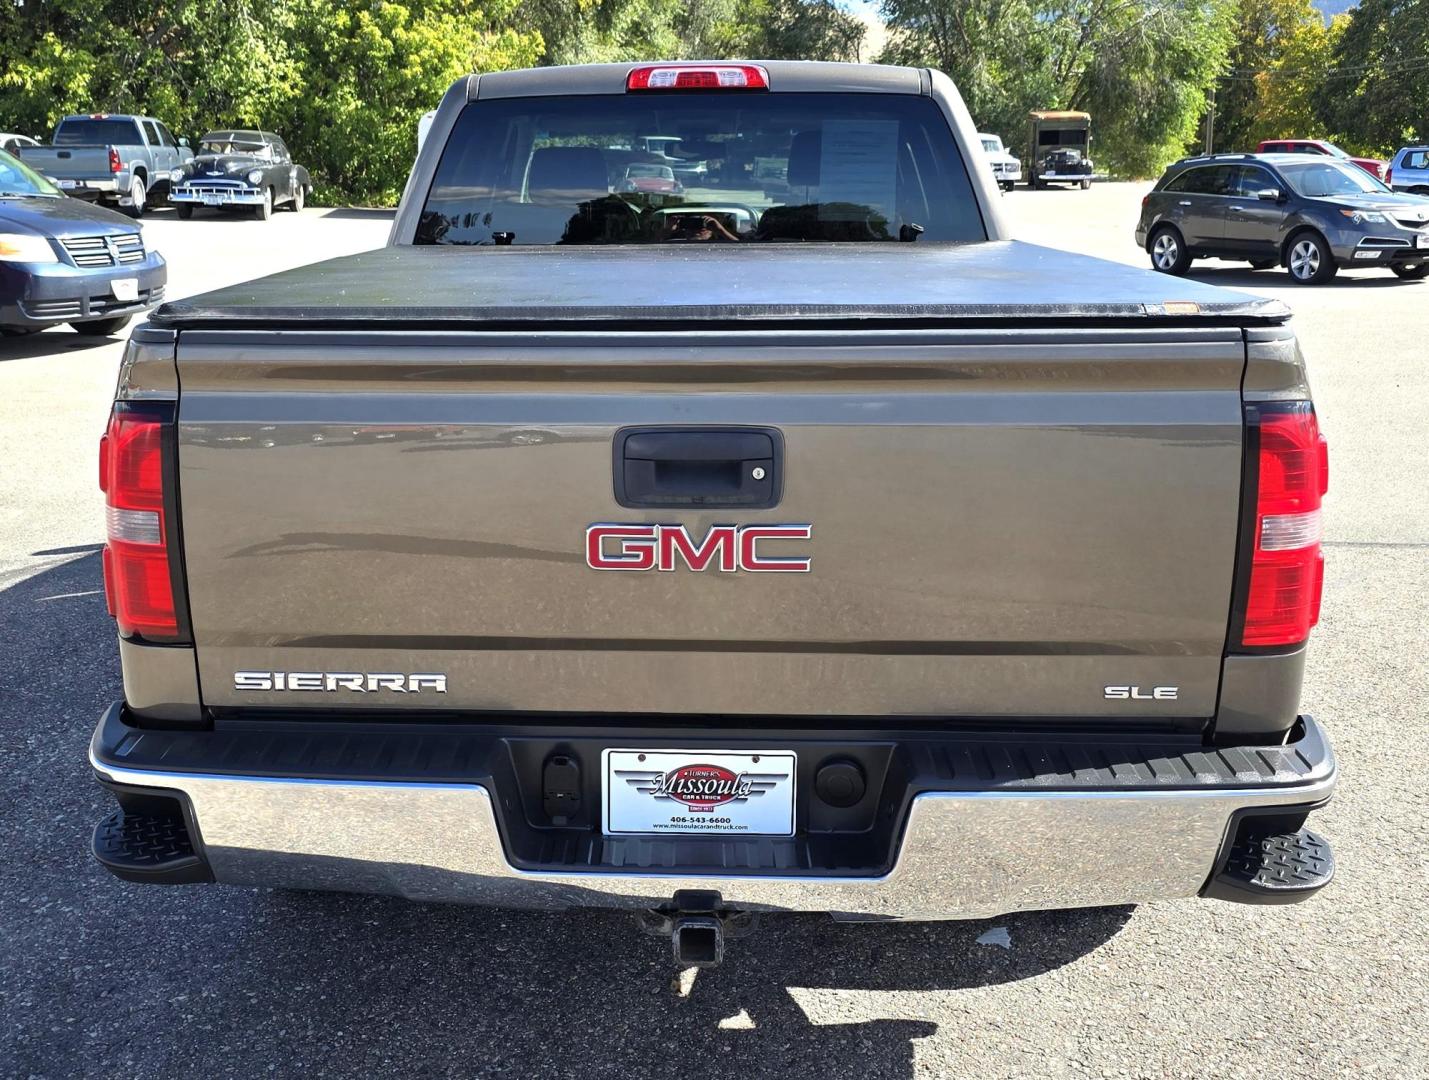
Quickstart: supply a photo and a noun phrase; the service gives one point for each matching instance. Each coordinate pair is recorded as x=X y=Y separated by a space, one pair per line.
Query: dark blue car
x=66 y=261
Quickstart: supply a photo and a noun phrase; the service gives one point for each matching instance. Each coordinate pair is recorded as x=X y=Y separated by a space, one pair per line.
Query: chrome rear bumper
x=962 y=854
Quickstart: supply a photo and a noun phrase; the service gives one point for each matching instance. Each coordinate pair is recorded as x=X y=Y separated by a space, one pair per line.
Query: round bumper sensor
x=840 y=783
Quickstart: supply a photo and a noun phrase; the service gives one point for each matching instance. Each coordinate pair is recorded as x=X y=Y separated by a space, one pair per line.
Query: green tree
x=343 y=81
x=188 y=61
x=1281 y=57
x=1377 y=94
x=790 y=30
x=602 y=31
x=1140 y=67
x=993 y=49
x=368 y=69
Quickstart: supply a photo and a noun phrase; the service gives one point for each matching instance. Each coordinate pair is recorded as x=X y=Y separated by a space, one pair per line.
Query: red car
x=652 y=180
x=1376 y=168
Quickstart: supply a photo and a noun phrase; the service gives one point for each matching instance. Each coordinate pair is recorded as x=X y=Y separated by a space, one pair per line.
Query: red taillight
x=138 y=582
x=698 y=77
x=114 y=163
x=1287 y=568
x=1389 y=175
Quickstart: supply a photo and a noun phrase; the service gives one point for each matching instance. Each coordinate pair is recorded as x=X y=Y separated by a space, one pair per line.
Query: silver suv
x=1410 y=171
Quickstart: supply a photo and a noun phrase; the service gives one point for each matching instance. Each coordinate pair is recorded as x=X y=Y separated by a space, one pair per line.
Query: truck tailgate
x=1004 y=522
x=69 y=162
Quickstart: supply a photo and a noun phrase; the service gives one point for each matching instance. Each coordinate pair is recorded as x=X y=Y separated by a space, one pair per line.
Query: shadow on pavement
x=360 y=213
x=52 y=340
x=1242 y=277
x=588 y=987
x=103 y=977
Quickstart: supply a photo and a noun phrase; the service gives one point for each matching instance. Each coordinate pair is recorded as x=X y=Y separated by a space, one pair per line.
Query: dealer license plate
x=66 y=185
x=679 y=792
x=125 y=289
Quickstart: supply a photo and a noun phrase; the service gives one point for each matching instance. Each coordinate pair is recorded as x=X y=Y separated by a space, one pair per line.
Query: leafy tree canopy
x=1140 y=67
x=1377 y=91
x=1281 y=56
x=344 y=80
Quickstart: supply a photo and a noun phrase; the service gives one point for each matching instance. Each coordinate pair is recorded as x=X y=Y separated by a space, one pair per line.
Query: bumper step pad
x=148 y=848
x=1266 y=866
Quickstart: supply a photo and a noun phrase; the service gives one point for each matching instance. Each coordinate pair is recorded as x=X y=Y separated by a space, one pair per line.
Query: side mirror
x=1269 y=194
x=184 y=143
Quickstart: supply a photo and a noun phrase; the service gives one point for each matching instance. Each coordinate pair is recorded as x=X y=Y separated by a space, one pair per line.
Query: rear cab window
x=701 y=168
x=87 y=131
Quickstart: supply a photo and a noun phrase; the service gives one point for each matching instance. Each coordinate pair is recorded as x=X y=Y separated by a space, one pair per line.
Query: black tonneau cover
x=799 y=284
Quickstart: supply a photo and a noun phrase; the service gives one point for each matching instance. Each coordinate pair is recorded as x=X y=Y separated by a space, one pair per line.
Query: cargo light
x=138 y=576
x=698 y=77
x=1287 y=567
x=114 y=163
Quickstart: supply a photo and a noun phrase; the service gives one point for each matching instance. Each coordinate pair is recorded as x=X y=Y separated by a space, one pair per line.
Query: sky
x=874 y=38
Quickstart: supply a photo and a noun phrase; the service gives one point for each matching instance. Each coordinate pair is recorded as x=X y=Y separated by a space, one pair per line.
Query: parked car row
x=1314 y=214
x=66 y=256
x=132 y=162
x=1061 y=152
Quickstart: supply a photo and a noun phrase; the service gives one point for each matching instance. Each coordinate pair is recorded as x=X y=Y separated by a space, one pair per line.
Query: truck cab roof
x=784 y=76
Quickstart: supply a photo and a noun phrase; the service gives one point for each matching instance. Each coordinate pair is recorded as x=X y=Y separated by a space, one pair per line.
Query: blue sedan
x=67 y=261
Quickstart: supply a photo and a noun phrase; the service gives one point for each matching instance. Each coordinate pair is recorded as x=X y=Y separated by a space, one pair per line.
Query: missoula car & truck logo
x=702 y=787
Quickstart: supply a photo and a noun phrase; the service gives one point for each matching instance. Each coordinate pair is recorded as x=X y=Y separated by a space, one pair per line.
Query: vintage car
x=240 y=168
x=1061 y=148
x=651 y=179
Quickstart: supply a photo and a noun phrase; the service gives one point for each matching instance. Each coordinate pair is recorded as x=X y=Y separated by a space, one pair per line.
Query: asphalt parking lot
x=103 y=978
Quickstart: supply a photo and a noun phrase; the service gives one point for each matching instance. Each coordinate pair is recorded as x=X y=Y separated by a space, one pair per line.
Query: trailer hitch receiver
x=697 y=924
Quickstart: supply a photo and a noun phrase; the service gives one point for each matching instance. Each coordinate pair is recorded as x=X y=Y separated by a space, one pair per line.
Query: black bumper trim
x=418 y=752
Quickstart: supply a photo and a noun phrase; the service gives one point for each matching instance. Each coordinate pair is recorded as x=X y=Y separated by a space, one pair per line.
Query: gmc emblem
x=612 y=546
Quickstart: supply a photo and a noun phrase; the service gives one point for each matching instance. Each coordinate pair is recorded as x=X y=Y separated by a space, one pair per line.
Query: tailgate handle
x=662 y=467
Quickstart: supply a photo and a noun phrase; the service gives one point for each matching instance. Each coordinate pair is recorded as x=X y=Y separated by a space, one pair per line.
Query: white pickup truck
x=1006 y=168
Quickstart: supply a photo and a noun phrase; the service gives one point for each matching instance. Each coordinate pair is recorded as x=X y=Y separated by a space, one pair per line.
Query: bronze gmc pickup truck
x=782 y=536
